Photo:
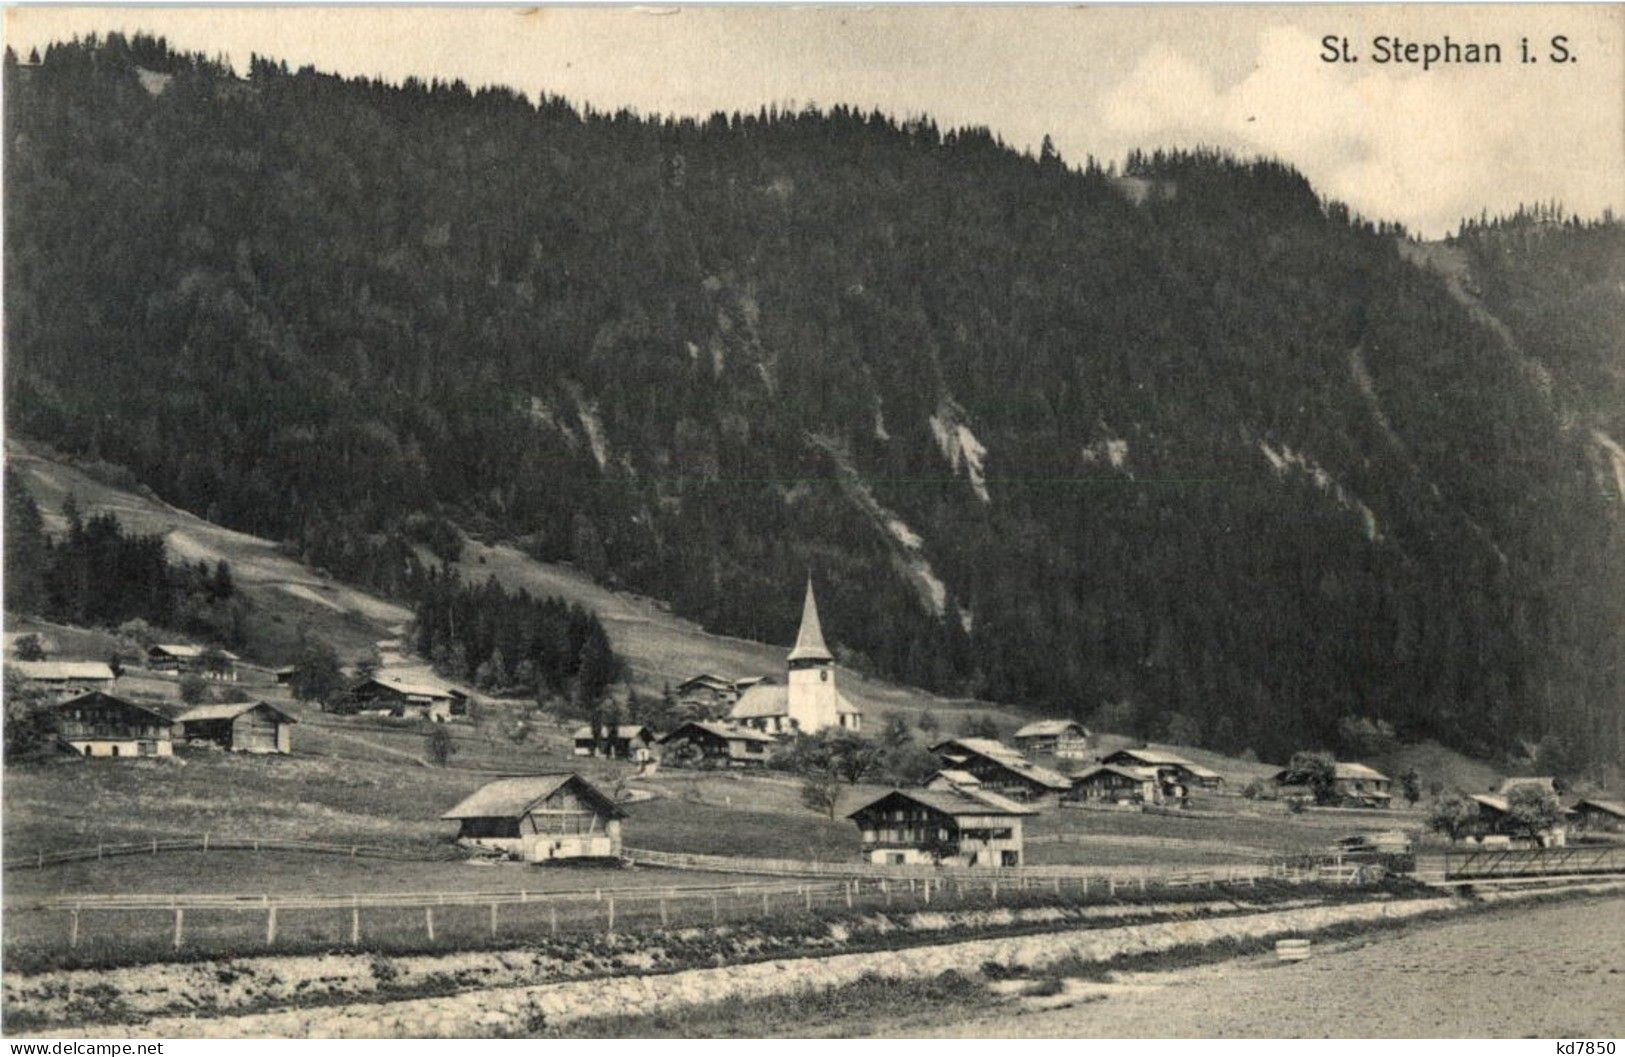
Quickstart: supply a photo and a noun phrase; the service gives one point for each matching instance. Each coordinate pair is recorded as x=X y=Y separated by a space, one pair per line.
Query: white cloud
x=1393 y=142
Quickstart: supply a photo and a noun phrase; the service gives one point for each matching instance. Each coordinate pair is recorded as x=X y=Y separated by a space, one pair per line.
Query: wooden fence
x=209 y=842
x=1144 y=875
x=124 y=928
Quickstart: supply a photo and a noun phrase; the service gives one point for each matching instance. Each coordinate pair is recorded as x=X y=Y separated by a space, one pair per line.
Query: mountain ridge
x=394 y=310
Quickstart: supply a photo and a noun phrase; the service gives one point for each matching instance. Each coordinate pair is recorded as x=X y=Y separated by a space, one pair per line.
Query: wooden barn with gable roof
x=964 y=826
x=541 y=818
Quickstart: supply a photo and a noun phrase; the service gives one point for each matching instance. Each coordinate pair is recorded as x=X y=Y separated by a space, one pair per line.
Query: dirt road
x=1551 y=971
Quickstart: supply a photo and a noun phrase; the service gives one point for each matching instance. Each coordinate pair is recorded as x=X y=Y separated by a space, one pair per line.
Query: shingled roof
x=515 y=797
x=810 y=639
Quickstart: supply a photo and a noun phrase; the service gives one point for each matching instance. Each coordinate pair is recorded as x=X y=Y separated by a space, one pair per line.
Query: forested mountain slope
x=1215 y=458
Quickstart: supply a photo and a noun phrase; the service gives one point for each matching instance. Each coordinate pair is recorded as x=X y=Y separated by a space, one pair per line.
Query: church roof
x=810 y=639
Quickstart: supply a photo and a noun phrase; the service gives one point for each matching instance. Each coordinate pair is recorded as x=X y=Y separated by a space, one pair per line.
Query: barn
x=99 y=724
x=247 y=726
x=70 y=678
x=949 y=826
x=541 y=818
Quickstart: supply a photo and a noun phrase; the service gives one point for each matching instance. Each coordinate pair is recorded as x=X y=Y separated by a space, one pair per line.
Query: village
x=989 y=800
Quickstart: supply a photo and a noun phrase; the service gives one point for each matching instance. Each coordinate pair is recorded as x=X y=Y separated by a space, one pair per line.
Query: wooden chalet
x=953 y=827
x=711 y=695
x=1179 y=775
x=184 y=659
x=1054 y=737
x=1000 y=769
x=1113 y=783
x=1495 y=819
x=248 y=726
x=69 y=678
x=718 y=744
x=541 y=818
x=1598 y=816
x=99 y=724
x=1353 y=785
x=627 y=741
x=406 y=698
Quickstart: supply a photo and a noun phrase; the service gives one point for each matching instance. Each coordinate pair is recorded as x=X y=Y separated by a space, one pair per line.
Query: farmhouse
x=99 y=724
x=710 y=694
x=1178 y=774
x=184 y=659
x=66 y=677
x=958 y=827
x=811 y=701
x=1599 y=816
x=248 y=726
x=541 y=818
x=1054 y=737
x=628 y=741
x=1353 y=785
x=1000 y=768
x=717 y=744
x=1112 y=783
x=1495 y=819
x=407 y=698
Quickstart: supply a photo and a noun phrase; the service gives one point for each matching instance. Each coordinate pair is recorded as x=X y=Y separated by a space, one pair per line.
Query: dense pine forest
x=1177 y=446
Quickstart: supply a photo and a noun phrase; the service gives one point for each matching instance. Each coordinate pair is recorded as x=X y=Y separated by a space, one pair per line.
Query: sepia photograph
x=908 y=521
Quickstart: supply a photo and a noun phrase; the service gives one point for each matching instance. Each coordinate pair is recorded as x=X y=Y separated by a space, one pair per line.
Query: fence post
x=993 y=889
x=662 y=911
x=716 y=909
x=180 y=916
x=1111 y=886
x=846 y=886
x=493 y=919
x=928 y=891
x=1086 y=886
x=205 y=840
x=428 y=922
x=73 y=929
x=270 y=924
x=41 y=865
x=611 y=927
x=523 y=895
x=885 y=886
x=355 y=923
x=807 y=891
x=598 y=894
x=553 y=920
x=98 y=850
x=1142 y=884
x=764 y=900
x=155 y=845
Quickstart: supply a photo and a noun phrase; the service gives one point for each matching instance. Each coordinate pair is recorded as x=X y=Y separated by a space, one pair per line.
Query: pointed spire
x=810 y=639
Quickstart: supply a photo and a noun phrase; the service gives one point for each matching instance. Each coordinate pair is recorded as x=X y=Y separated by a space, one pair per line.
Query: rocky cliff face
x=1217 y=458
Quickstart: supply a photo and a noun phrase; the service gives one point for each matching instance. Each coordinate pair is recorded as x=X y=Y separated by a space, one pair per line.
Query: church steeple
x=810 y=639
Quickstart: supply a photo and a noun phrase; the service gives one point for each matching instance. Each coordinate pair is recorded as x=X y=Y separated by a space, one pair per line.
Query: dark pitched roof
x=720 y=730
x=97 y=696
x=954 y=802
x=1004 y=756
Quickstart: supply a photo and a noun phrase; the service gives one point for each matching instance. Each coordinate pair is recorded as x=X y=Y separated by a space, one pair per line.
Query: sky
x=1393 y=141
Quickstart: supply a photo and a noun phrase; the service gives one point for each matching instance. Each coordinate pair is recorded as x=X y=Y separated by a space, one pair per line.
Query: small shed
x=627 y=741
x=541 y=818
x=955 y=827
x=247 y=726
x=1054 y=737
x=99 y=724
x=719 y=744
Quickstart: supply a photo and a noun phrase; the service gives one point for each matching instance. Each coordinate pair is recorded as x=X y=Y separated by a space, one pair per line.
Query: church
x=810 y=701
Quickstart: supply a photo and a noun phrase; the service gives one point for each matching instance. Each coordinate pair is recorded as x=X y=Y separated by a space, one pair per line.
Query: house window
x=823 y=675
